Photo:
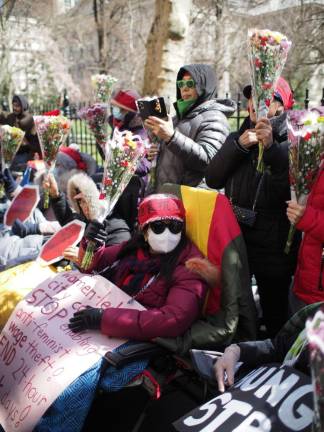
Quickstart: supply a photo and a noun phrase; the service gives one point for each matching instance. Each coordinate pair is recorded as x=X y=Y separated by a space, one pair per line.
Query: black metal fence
x=81 y=135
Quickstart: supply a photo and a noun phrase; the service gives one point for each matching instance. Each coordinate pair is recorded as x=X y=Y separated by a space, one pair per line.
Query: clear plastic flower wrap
x=96 y=117
x=315 y=337
x=306 y=152
x=96 y=114
x=123 y=152
x=10 y=140
x=102 y=85
x=268 y=52
x=52 y=132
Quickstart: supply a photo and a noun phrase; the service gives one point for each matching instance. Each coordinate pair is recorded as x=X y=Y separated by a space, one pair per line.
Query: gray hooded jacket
x=198 y=135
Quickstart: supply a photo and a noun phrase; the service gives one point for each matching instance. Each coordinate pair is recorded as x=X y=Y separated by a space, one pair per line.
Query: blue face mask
x=117 y=113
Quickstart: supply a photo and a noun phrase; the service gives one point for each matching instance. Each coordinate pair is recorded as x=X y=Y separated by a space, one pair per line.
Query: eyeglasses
x=186 y=83
x=174 y=226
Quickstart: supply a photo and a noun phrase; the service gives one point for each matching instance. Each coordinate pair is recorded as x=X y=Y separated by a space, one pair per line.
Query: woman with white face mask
x=150 y=268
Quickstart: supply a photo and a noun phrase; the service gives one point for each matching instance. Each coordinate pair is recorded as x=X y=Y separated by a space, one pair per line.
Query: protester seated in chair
x=151 y=269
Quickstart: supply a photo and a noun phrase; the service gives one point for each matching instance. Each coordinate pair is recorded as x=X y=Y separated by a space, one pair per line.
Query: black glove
x=96 y=232
x=9 y=182
x=23 y=229
x=89 y=318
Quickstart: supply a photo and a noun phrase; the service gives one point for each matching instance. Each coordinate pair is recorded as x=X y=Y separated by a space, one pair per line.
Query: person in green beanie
x=190 y=140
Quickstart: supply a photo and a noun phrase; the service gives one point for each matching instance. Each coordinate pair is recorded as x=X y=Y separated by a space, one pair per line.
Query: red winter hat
x=126 y=99
x=283 y=93
x=160 y=206
x=74 y=155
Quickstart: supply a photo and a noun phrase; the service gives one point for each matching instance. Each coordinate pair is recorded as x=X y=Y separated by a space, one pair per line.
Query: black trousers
x=273 y=287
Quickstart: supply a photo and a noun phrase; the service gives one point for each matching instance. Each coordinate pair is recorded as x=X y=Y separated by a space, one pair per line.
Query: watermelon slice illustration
x=22 y=205
x=67 y=236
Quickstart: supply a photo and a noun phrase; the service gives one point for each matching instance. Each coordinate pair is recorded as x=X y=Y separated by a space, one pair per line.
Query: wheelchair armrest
x=132 y=353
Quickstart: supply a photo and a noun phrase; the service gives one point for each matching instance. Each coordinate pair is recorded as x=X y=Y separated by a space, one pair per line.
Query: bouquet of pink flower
x=96 y=117
x=315 y=336
x=10 y=141
x=102 y=85
x=268 y=52
x=306 y=151
x=122 y=156
x=52 y=132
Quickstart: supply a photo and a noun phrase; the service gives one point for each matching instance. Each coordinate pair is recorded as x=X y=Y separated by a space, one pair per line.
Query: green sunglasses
x=186 y=83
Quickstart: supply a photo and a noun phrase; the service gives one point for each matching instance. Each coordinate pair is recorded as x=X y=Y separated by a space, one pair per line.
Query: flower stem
x=260 y=166
x=290 y=238
x=46 y=199
x=88 y=256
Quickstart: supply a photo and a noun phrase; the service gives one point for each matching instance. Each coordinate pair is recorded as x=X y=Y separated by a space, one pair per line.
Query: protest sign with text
x=40 y=356
x=270 y=398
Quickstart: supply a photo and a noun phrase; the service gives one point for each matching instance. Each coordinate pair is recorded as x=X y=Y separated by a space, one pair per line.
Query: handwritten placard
x=39 y=355
x=270 y=398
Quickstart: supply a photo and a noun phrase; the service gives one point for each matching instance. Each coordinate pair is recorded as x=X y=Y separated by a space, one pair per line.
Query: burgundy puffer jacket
x=170 y=312
x=309 y=276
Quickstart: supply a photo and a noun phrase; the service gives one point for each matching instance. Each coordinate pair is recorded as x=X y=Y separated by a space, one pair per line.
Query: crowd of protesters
x=142 y=246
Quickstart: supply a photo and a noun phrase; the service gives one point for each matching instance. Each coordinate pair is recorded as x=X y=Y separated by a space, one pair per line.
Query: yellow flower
x=131 y=144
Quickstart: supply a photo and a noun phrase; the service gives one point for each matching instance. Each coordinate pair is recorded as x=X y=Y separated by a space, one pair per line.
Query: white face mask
x=164 y=242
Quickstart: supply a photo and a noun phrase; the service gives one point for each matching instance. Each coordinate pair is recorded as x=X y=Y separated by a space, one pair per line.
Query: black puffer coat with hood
x=198 y=135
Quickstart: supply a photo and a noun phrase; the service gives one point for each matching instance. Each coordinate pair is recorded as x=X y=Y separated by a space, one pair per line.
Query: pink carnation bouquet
x=122 y=156
x=96 y=115
x=52 y=132
x=306 y=151
x=268 y=52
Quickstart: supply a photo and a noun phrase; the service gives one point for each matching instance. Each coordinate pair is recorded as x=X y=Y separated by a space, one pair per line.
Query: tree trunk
x=166 y=46
x=98 y=13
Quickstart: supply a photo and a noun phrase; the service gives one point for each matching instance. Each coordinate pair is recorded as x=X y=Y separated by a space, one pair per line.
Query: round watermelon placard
x=67 y=236
x=22 y=205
